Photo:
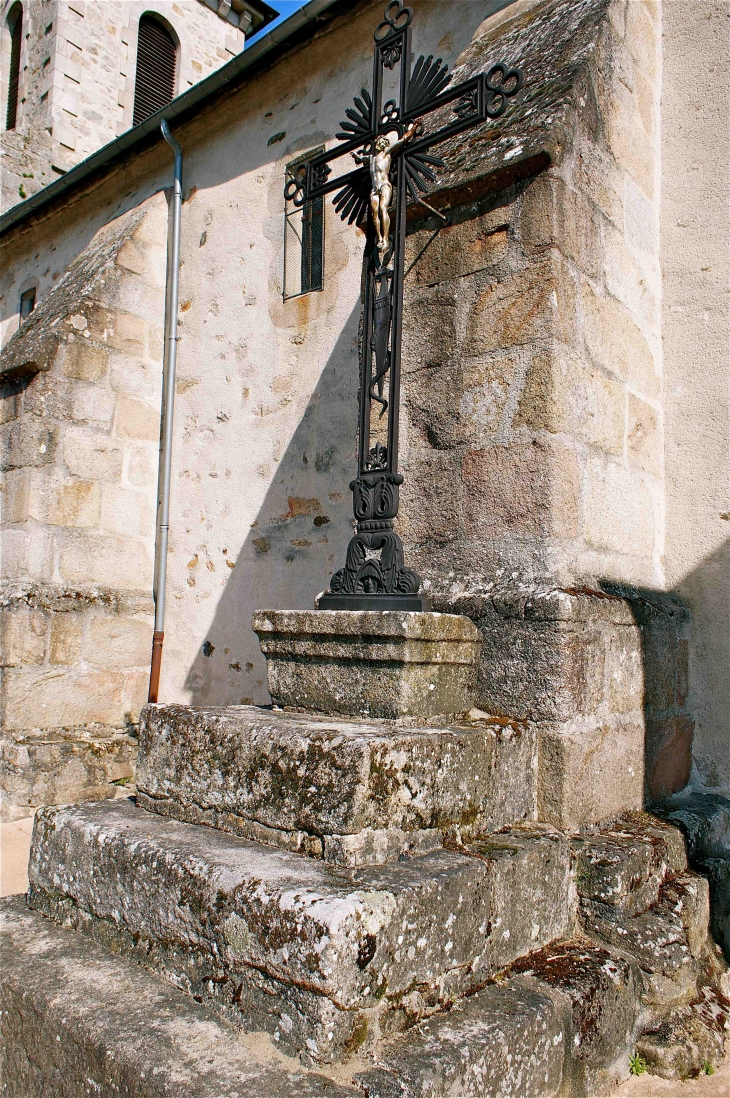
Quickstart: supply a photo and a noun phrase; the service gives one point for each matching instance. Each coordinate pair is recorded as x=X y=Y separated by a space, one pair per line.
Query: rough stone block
x=599 y=995
x=369 y=663
x=74 y=503
x=92 y=454
x=504 y=1040
x=589 y=770
x=619 y=510
x=214 y=912
x=24 y=635
x=135 y=419
x=93 y=405
x=114 y=642
x=28 y=441
x=52 y=697
x=107 y=561
x=564 y=395
x=619 y=868
x=76 y=1019
x=667 y=938
x=125 y=512
x=66 y=639
x=330 y=777
x=614 y=341
x=705 y=821
x=430 y=337
x=461 y=248
x=126 y=332
x=688 y=1039
x=63 y=766
x=529 y=488
x=84 y=361
x=523 y=307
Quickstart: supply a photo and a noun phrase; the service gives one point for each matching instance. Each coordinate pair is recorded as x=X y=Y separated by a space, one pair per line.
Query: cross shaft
x=391 y=144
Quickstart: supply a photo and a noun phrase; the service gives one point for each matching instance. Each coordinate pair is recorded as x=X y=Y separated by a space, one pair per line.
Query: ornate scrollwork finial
x=396 y=18
x=502 y=83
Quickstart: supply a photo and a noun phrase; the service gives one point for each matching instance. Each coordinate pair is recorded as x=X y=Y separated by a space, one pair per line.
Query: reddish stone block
x=668 y=755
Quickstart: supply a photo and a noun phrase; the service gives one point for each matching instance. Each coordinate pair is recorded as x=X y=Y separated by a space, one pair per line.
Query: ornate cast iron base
x=375 y=576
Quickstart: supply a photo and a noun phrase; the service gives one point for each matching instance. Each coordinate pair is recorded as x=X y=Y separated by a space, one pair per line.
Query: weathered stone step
x=317 y=955
x=625 y=864
x=504 y=1041
x=689 y=1039
x=668 y=941
x=78 y=1020
x=353 y=792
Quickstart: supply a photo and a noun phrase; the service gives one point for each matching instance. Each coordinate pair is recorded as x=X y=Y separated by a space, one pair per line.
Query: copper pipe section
x=157 y=640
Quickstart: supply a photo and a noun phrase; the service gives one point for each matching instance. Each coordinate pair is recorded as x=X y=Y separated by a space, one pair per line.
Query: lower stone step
x=690 y=1040
x=504 y=1042
x=323 y=958
x=78 y=1020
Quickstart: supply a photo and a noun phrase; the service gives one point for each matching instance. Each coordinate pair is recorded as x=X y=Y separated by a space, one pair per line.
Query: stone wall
x=533 y=353
x=695 y=238
x=81 y=408
x=78 y=68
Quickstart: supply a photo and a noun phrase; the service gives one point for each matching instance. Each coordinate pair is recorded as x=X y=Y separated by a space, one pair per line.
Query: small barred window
x=303 y=241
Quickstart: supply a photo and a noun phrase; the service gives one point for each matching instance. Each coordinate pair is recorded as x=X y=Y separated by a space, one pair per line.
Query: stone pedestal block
x=368 y=663
x=600 y=674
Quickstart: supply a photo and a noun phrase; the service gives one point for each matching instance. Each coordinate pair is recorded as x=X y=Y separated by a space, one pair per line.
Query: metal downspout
x=168 y=406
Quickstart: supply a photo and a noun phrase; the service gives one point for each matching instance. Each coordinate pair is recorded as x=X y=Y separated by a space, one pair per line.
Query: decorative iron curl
x=396 y=18
x=496 y=80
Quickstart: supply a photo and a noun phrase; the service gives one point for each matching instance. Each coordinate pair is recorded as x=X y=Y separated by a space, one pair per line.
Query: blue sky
x=285 y=9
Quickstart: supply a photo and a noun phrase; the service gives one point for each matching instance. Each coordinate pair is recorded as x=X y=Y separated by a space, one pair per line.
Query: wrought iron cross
x=390 y=143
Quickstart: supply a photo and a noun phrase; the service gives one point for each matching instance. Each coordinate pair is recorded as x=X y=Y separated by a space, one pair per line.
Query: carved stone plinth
x=380 y=664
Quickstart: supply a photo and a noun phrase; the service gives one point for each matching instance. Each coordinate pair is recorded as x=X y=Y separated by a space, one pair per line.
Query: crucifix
x=390 y=144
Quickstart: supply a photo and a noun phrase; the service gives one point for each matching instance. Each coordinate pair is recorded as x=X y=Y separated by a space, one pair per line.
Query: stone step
x=625 y=864
x=668 y=941
x=597 y=991
x=78 y=1020
x=690 y=1039
x=323 y=957
x=503 y=1041
x=353 y=792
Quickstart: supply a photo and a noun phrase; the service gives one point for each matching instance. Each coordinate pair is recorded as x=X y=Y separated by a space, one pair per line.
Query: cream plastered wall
x=695 y=239
x=266 y=394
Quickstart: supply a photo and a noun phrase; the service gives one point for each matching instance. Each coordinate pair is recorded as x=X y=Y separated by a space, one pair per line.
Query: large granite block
x=597 y=992
x=217 y=913
x=369 y=663
x=346 y=790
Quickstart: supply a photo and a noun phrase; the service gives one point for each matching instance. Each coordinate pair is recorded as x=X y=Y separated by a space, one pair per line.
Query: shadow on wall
x=685 y=643
x=293 y=546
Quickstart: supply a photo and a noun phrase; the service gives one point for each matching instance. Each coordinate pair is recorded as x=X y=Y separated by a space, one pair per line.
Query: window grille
x=154 y=82
x=27 y=303
x=303 y=242
x=15 y=26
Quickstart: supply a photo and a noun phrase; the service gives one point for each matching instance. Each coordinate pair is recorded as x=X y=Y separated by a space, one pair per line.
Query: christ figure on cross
x=381 y=194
